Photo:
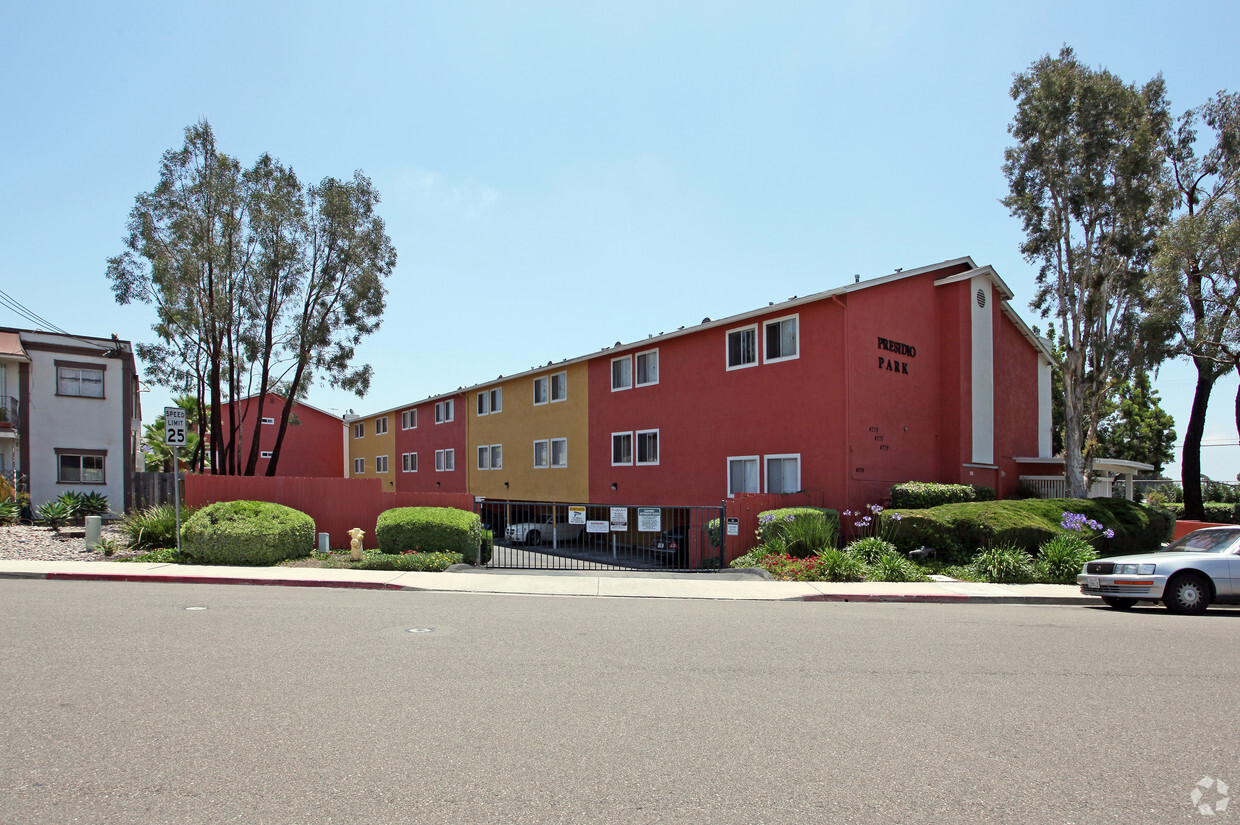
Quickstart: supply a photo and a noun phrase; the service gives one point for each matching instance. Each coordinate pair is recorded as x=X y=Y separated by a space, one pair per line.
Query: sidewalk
x=731 y=585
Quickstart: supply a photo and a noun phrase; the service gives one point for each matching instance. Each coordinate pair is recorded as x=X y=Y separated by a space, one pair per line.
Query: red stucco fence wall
x=335 y=504
x=1183 y=528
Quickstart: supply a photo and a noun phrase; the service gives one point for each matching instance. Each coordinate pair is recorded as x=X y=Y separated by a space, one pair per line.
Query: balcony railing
x=8 y=412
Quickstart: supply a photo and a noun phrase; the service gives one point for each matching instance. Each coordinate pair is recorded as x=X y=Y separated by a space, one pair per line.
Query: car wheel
x=1119 y=604
x=533 y=537
x=1187 y=593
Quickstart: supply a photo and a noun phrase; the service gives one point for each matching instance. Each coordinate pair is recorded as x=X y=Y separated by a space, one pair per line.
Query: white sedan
x=1188 y=575
x=536 y=532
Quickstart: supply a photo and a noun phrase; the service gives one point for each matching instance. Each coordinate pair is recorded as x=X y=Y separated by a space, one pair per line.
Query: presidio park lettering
x=891 y=364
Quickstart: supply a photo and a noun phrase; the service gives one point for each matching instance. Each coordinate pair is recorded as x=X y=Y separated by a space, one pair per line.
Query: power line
x=41 y=323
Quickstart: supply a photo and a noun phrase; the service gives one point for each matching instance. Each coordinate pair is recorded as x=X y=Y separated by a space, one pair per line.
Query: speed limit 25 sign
x=174 y=426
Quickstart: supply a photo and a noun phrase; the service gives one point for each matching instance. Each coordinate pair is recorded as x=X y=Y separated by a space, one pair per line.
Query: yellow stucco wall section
x=518 y=425
x=372 y=445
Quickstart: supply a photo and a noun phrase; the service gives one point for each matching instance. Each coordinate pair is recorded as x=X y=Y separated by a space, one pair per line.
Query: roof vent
x=706 y=320
x=856 y=279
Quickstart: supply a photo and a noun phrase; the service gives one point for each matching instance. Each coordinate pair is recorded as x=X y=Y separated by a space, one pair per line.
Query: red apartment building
x=314 y=444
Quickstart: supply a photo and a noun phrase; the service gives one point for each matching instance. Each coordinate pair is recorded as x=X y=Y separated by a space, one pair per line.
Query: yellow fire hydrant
x=355 y=544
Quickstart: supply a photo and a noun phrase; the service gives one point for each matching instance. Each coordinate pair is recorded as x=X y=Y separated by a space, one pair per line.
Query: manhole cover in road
x=420 y=630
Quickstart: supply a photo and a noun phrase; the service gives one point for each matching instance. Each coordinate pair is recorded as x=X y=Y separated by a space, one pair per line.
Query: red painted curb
x=885 y=597
x=122 y=577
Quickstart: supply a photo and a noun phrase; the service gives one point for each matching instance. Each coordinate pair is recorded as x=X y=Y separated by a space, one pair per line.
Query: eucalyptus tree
x=1194 y=292
x=260 y=284
x=1086 y=179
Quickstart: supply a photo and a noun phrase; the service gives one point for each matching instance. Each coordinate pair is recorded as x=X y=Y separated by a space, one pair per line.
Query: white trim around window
x=445 y=411
x=621 y=449
x=264 y=454
x=267 y=420
x=540 y=390
x=622 y=373
x=783 y=336
x=490 y=456
x=740 y=347
x=743 y=475
x=359 y=429
x=559 y=452
x=408 y=462
x=559 y=386
x=381 y=464
x=409 y=419
x=490 y=401
x=785 y=475
x=445 y=460
x=542 y=453
x=359 y=466
x=381 y=427
x=646 y=447
x=646 y=368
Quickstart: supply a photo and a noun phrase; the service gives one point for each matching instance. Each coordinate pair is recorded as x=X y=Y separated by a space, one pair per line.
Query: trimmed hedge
x=921 y=495
x=957 y=531
x=430 y=530
x=1217 y=511
x=246 y=532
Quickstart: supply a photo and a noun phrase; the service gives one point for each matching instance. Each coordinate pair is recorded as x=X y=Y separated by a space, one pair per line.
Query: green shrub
x=1061 y=559
x=1215 y=511
x=247 y=532
x=429 y=529
x=953 y=529
x=841 y=566
x=55 y=514
x=153 y=527
x=893 y=567
x=408 y=562
x=93 y=504
x=9 y=511
x=920 y=495
x=751 y=559
x=1004 y=564
x=870 y=549
x=806 y=529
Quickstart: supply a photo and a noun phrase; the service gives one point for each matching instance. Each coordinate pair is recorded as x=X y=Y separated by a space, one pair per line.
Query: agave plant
x=93 y=504
x=9 y=511
x=72 y=500
x=53 y=513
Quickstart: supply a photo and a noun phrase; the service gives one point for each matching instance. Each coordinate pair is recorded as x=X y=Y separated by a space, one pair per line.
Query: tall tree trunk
x=1190 y=461
x=1076 y=468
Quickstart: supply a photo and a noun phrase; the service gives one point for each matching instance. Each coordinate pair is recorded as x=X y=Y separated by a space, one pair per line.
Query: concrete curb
x=162 y=579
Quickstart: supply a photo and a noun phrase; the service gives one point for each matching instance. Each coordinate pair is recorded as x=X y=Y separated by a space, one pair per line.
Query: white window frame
x=408 y=462
x=497 y=400
x=563 y=376
x=381 y=425
x=264 y=453
x=627 y=360
x=497 y=456
x=65 y=383
x=445 y=411
x=381 y=464
x=766 y=473
x=484 y=457
x=545 y=381
x=727 y=348
x=484 y=404
x=445 y=460
x=629 y=435
x=359 y=466
x=564 y=462
x=546 y=455
x=267 y=420
x=359 y=429
x=98 y=475
x=766 y=357
x=637 y=440
x=637 y=367
x=757 y=462
x=409 y=419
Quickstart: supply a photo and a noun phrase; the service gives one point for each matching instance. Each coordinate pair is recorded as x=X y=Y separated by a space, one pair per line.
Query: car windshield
x=1204 y=541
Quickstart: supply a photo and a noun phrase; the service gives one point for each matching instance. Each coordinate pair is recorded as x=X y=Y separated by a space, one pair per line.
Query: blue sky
x=557 y=177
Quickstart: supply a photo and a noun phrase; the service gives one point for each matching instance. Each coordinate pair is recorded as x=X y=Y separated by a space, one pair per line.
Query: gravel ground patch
x=29 y=543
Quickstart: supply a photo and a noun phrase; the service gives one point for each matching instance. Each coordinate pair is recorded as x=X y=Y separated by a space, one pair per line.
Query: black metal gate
x=539 y=535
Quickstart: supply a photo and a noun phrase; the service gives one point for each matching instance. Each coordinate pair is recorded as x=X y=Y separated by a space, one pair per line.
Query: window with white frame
x=267 y=420
x=264 y=454
x=409 y=420
x=621 y=373
x=559 y=452
x=484 y=457
x=408 y=462
x=647 y=446
x=490 y=401
x=647 y=367
x=359 y=429
x=559 y=386
x=783 y=473
x=497 y=456
x=743 y=475
x=74 y=466
x=497 y=399
x=540 y=390
x=742 y=350
x=359 y=466
x=484 y=403
x=381 y=425
x=781 y=339
x=445 y=461
x=542 y=450
x=381 y=464
x=81 y=380
x=445 y=411
x=621 y=449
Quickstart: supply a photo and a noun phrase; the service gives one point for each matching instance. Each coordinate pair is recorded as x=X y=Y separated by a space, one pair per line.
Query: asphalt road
x=121 y=704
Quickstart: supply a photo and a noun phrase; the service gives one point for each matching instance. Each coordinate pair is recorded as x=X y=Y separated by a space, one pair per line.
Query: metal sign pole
x=176 y=495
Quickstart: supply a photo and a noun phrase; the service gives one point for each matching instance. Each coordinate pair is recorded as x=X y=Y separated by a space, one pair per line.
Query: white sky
x=560 y=176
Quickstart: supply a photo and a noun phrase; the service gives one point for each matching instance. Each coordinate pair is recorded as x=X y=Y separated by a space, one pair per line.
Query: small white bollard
x=325 y=542
x=94 y=526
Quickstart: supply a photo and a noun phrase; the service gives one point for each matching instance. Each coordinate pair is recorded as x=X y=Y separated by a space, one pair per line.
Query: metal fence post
x=723 y=531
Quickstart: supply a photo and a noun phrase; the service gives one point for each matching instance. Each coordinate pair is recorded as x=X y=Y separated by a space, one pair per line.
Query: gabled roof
x=295 y=404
